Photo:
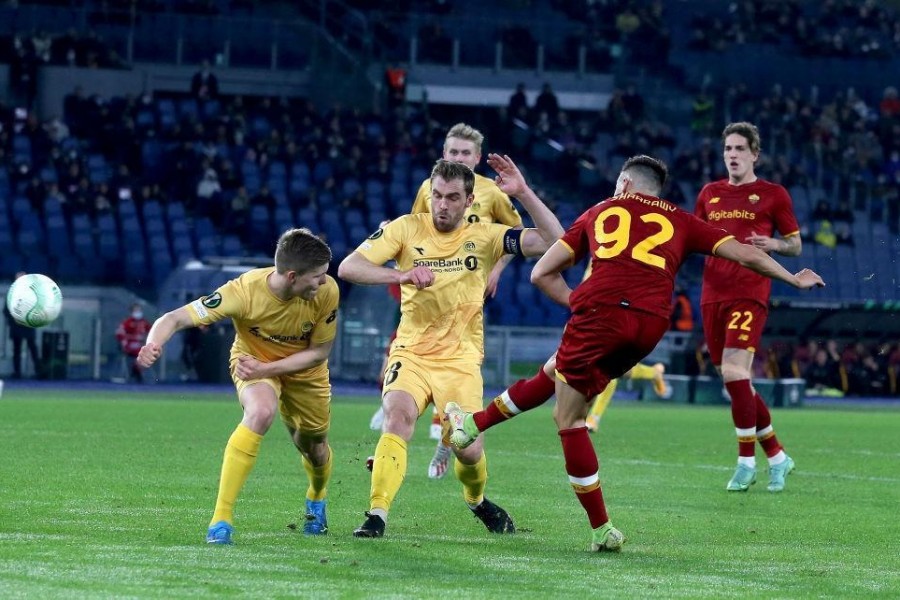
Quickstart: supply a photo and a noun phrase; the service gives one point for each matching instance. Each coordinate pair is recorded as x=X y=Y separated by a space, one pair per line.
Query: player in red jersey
x=734 y=301
x=637 y=242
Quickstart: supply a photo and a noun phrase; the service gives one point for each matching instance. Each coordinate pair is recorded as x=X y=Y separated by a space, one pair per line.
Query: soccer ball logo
x=34 y=300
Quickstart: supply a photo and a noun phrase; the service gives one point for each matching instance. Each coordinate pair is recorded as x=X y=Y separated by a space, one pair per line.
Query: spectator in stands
x=395 y=85
x=237 y=220
x=131 y=335
x=204 y=83
x=547 y=103
x=869 y=376
x=518 y=104
x=823 y=373
x=21 y=334
x=209 y=193
x=682 y=314
x=825 y=235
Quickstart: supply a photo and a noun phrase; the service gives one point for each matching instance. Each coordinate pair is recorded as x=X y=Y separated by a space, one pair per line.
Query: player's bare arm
x=356 y=268
x=161 y=332
x=757 y=260
x=493 y=280
x=547 y=274
x=512 y=183
x=786 y=246
x=249 y=367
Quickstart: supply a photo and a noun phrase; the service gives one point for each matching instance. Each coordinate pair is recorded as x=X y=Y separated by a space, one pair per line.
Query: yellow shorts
x=304 y=403
x=435 y=381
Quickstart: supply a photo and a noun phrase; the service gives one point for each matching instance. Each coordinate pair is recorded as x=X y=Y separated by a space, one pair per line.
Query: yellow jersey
x=443 y=321
x=267 y=327
x=490 y=205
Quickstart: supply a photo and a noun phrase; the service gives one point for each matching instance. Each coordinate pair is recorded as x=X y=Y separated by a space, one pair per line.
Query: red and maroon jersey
x=636 y=243
x=132 y=334
x=761 y=207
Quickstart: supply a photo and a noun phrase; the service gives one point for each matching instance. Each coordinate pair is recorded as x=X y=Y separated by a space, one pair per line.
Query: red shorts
x=604 y=344
x=733 y=324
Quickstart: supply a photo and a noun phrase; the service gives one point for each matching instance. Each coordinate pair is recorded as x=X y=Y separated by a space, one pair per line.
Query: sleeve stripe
x=568 y=247
x=784 y=235
x=722 y=241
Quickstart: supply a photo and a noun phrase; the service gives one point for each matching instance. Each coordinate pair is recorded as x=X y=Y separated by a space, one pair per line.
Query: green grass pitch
x=109 y=496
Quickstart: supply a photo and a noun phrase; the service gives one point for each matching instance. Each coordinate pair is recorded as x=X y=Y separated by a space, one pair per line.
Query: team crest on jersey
x=753 y=198
x=377 y=234
x=213 y=300
x=476 y=206
x=469 y=247
x=714 y=200
x=306 y=327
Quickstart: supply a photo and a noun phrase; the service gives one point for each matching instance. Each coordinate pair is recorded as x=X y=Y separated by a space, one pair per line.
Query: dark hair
x=747 y=130
x=449 y=170
x=299 y=250
x=651 y=170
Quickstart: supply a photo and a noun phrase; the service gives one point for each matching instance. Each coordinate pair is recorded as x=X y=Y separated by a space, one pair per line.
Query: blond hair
x=466 y=132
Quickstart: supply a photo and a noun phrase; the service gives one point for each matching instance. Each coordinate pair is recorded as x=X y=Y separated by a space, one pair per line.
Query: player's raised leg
x=521 y=396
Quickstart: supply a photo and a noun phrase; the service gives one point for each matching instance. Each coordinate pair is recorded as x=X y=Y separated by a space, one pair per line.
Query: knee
x=260 y=416
x=399 y=422
x=734 y=372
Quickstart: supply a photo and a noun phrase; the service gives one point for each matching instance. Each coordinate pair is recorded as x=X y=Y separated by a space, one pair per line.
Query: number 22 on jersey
x=613 y=243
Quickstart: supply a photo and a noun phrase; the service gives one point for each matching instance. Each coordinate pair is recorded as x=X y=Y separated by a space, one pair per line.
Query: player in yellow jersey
x=285 y=321
x=443 y=263
x=490 y=205
x=639 y=371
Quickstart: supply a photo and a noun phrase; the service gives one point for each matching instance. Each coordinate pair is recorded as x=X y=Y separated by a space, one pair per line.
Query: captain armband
x=512 y=241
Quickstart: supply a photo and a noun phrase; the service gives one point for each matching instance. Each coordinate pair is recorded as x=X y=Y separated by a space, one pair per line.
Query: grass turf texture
x=106 y=496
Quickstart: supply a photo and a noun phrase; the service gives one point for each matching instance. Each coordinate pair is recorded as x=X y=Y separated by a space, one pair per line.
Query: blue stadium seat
x=21 y=148
x=182 y=248
x=57 y=236
x=108 y=245
x=175 y=212
x=232 y=246
x=155 y=226
x=322 y=171
x=306 y=217
x=83 y=245
x=353 y=217
x=207 y=246
x=351 y=187
x=152 y=209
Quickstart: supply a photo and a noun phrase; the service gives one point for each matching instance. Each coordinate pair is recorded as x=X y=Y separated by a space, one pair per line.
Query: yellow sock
x=388 y=471
x=473 y=478
x=318 y=478
x=603 y=399
x=240 y=456
x=640 y=371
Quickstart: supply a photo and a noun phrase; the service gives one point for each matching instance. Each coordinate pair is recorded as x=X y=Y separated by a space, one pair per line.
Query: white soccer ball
x=34 y=300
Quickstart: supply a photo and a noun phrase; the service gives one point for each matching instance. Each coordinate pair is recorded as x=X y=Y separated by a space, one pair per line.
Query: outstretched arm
x=161 y=332
x=786 y=246
x=511 y=181
x=757 y=260
x=547 y=276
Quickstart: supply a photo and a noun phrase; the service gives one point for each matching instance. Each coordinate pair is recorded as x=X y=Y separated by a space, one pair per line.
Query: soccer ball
x=34 y=300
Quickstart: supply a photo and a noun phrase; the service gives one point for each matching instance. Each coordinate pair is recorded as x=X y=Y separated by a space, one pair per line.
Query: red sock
x=582 y=468
x=523 y=395
x=765 y=434
x=743 y=412
x=435 y=418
